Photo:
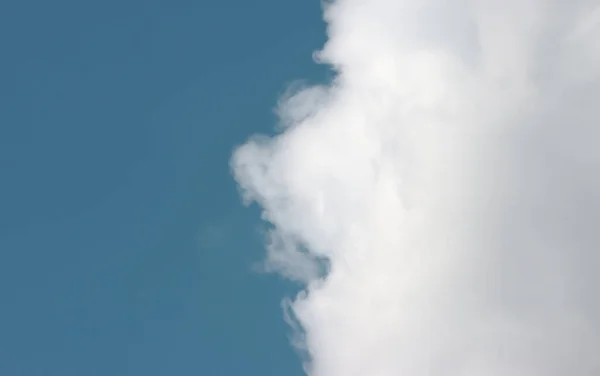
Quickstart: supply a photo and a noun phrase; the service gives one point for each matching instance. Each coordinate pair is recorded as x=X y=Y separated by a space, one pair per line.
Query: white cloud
x=450 y=176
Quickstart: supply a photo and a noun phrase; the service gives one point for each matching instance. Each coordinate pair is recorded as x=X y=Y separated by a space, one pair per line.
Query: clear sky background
x=124 y=249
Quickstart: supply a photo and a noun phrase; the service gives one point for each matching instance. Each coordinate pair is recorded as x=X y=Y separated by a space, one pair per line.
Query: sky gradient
x=124 y=249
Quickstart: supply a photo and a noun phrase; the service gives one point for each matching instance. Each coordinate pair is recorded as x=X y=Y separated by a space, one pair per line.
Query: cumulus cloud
x=449 y=177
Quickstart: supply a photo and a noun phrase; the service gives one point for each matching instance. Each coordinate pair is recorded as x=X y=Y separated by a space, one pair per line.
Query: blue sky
x=124 y=249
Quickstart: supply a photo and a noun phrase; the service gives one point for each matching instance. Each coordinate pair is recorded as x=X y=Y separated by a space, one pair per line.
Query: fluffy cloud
x=449 y=177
